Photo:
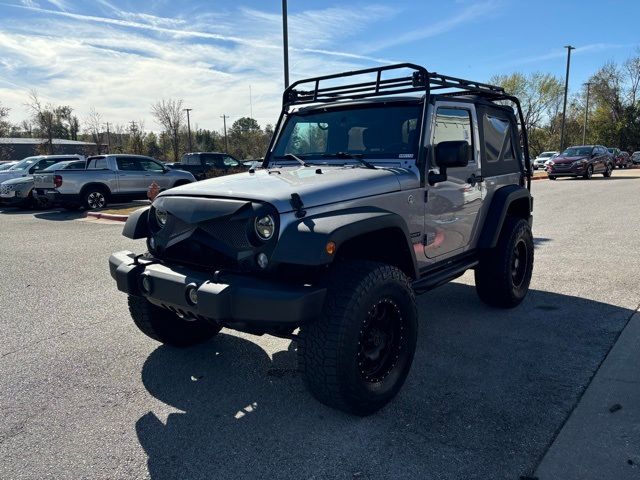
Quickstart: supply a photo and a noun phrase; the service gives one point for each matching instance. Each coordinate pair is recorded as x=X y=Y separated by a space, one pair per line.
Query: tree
x=93 y=127
x=151 y=145
x=5 y=128
x=170 y=115
x=52 y=121
x=136 y=137
x=246 y=139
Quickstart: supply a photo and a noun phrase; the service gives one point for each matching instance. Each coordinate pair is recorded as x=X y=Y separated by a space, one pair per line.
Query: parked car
x=635 y=158
x=28 y=166
x=334 y=236
x=616 y=154
x=107 y=178
x=540 y=160
x=200 y=163
x=581 y=161
x=18 y=192
x=624 y=160
x=7 y=165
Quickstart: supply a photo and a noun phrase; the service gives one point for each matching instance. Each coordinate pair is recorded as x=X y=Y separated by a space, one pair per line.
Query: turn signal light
x=331 y=248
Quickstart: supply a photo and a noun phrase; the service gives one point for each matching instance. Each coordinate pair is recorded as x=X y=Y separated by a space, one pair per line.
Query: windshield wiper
x=355 y=156
x=291 y=156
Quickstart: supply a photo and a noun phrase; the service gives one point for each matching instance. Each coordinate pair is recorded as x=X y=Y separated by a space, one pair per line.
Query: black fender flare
x=497 y=212
x=137 y=225
x=304 y=241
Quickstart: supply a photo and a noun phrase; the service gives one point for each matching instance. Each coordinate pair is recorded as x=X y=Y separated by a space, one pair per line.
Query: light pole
x=586 y=115
x=189 y=127
x=285 y=43
x=224 y=120
x=566 y=89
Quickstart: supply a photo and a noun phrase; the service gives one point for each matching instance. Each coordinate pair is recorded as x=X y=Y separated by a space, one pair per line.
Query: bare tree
x=170 y=115
x=632 y=74
x=43 y=118
x=93 y=127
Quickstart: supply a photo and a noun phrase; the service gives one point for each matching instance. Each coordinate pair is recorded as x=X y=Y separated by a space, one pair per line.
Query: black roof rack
x=418 y=79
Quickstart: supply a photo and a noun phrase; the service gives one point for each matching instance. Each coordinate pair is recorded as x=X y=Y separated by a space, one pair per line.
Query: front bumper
x=573 y=171
x=233 y=300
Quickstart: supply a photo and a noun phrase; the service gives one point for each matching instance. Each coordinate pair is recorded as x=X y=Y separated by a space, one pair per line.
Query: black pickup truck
x=202 y=162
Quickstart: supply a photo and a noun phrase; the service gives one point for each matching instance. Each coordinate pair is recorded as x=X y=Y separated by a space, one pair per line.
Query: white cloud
x=133 y=60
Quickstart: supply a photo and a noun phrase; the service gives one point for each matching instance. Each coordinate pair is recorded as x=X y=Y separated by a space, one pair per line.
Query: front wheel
x=608 y=171
x=589 y=173
x=357 y=355
x=166 y=327
x=504 y=272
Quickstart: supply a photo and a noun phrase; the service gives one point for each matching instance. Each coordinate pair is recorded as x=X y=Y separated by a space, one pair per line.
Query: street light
x=285 y=43
x=566 y=88
x=586 y=115
x=189 y=127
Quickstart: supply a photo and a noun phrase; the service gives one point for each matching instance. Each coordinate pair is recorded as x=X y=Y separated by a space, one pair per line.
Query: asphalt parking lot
x=83 y=394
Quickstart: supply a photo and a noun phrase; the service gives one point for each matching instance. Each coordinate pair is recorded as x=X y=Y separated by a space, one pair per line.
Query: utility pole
x=285 y=43
x=586 y=115
x=189 y=127
x=108 y=140
x=566 y=89
x=224 y=120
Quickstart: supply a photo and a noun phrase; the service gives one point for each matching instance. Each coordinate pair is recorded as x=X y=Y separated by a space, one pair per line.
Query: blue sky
x=121 y=56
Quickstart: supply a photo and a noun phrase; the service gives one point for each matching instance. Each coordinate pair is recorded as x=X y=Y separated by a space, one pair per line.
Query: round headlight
x=161 y=217
x=265 y=226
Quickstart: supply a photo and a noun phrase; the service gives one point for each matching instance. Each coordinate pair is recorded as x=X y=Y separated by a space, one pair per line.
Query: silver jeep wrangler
x=378 y=184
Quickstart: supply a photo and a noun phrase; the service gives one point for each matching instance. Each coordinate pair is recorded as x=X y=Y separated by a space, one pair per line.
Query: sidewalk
x=601 y=438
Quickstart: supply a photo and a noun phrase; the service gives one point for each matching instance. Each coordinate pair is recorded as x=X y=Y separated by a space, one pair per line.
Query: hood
x=563 y=159
x=6 y=175
x=17 y=180
x=276 y=185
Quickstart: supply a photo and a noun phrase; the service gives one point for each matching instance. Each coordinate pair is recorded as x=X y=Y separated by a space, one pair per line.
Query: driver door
x=453 y=206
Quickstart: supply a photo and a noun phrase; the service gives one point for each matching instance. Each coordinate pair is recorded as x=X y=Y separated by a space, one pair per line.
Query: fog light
x=192 y=295
x=146 y=284
x=263 y=261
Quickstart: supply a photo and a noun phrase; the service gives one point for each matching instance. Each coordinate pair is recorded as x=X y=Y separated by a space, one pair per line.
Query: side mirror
x=452 y=154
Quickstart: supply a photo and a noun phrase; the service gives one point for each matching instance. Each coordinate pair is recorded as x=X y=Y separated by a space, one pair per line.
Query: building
x=19 y=148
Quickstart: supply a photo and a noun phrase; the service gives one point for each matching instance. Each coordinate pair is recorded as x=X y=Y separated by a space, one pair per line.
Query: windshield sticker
x=405 y=155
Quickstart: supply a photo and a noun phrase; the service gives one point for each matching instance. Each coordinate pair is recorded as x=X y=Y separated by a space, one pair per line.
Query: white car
x=544 y=157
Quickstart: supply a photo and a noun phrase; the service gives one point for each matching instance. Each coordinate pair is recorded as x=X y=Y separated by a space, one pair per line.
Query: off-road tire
x=608 y=171
x=504 y=272
x=94 y=198
x=166 y=327
x=337 y=353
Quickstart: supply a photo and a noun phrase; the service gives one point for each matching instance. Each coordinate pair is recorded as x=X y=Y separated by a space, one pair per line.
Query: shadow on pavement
x=61 y=215
x=486 y=395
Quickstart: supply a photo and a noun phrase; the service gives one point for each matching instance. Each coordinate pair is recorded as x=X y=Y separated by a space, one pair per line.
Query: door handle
x=473 y=179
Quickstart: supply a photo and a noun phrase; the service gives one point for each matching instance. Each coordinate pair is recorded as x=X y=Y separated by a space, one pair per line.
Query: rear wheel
x=167 y=327
x=94 y=198
x=504 y=272
x=357 y=355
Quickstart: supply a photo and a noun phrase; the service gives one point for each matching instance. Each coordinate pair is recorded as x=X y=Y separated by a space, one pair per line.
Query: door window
x=149 y=165
x=128 y=164
x=212 y=161
x=229 y=162
x=454 y=124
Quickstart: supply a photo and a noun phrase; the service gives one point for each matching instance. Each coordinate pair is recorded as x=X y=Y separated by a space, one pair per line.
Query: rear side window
x=454 y=124
x=191 y=160
x=498 y=144
x=128 y=164
x=98 y=163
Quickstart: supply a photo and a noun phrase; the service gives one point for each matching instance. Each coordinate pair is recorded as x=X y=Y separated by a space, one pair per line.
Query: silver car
x=540 y=160
x=18 y=191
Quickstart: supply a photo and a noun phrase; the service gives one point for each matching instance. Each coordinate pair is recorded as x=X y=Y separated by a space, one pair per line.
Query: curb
x=108 y=216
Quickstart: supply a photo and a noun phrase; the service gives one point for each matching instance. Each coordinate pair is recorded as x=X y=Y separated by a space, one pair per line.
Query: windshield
x=546 y=154
x=24 y=163
x=369 y=132
x=577 y=151
x=6 y=166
